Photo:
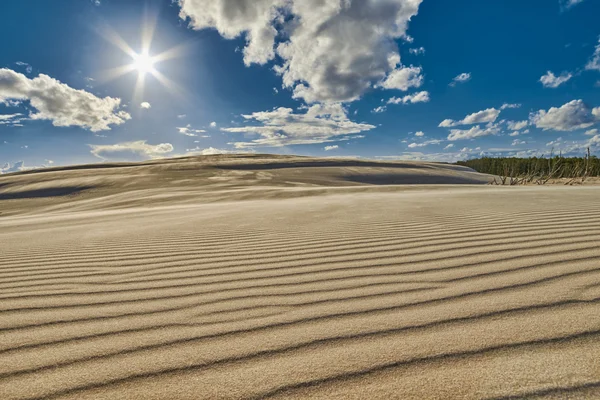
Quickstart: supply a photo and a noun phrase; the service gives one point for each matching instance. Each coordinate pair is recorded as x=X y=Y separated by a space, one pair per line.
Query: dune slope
x=314 y=286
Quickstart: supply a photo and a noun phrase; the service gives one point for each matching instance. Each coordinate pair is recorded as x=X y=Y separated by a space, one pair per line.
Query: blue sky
x=407 y=79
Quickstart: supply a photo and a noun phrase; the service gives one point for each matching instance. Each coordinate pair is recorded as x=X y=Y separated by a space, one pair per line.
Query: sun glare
x=143 y=63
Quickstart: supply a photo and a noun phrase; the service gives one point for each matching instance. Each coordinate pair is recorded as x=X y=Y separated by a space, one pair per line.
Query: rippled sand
x=285 y=277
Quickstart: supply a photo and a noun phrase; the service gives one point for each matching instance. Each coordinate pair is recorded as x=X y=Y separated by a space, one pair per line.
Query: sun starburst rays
x=142 y=62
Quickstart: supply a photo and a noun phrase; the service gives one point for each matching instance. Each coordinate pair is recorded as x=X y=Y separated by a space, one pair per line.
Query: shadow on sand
x=416 y=179
x=48 y=192
x=321 y=164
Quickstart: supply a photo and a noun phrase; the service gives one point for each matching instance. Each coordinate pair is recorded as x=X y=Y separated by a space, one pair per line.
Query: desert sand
x=231 y=277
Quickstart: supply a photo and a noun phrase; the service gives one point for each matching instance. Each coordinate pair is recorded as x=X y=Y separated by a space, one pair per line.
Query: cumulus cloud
x=552 y=81
x=594 y=63
x=508 y=105
x=282 y=127
x=20 y=166
x=330 y=50
x=461 y=78
x=448 y=123
x=474 y=132
x=145 y=105
x=419 y=97
x=330 y=148
x=569 y=117
x=61 y=104
x=131 y=150
x=404 y=78
x=489 y=115
x=213 y=124
x=517 y=125
x=16 y=167
x=420 y=134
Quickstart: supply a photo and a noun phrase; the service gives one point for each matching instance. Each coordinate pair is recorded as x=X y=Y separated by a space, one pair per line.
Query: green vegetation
x=536 y=170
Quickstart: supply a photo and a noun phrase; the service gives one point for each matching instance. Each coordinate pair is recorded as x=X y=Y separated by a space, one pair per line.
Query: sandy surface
x=256 y=277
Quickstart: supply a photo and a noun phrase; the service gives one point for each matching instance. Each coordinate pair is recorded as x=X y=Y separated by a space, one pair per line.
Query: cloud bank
x=131 y=150
x=569 y=117
x=283 y=127
x=330 y=50
x=61 y=104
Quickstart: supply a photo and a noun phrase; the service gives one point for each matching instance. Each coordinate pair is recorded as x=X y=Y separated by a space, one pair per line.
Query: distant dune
x=230 y=277
x=215 y=178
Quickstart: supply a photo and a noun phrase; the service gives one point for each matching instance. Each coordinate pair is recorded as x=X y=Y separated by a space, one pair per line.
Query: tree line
x=537 y=169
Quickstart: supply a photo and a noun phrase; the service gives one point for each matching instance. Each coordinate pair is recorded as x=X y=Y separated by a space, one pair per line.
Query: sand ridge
x=322 y=288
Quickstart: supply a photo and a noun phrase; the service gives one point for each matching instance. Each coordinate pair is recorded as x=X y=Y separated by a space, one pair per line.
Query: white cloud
x=145 y=105
x=474 y=132
x=282 y=127
x=213 y=124
x=489 y=115
x=404 y=78
x=424 y=144
x=481 y=117
x=181 y=116
x=210 y=151
x=330 y=50
x=27 y=67
x=7 y=117
x=554 y=142
x=419 y=97
x=592 y=132
x=508 y=105
x=569 y=117
x=593 y=142
x=380 y=109
x=518 y=142
x=461 y=78
x=20 y=166
x=61 y=104
x=447 y=123
x=330 y=148
x=419 y=134
x=570 y=3
x=515 y=133
x=16 y=167
x=188 y=131
x=449 y=146
x=517 y=125
x=12 y=120
x=416 y=51
x=131 y=150
x=552 y=81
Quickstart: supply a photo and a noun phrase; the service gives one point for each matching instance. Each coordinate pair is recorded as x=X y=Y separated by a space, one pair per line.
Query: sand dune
x=285 y=277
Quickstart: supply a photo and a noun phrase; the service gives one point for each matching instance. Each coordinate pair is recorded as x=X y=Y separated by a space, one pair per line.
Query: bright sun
x=143 y=63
